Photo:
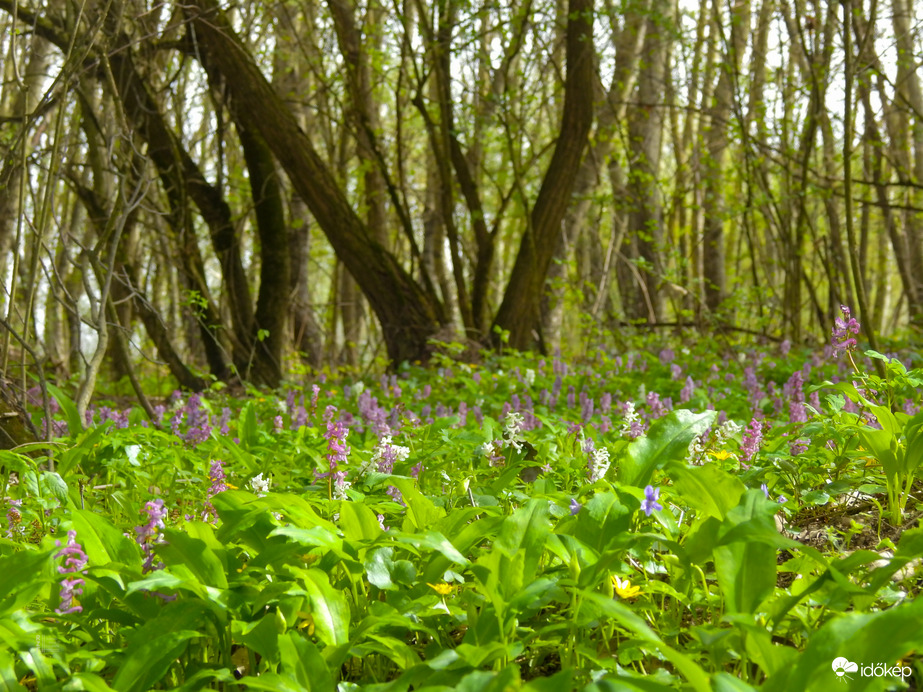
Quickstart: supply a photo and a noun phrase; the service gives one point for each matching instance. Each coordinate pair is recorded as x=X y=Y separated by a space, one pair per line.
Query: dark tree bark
x=408 y=315
x=269 y=336
x=520 y=313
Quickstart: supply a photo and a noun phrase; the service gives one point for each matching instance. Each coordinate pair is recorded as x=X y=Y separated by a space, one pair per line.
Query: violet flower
x=752 y=439
x=842 y=328
x=649 y=504
x=149 y=535
x=574 y=506
x=74 y=563
x=216 y=476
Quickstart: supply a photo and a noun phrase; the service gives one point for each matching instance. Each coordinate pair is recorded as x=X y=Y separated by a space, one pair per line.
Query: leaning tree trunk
x=408 y=315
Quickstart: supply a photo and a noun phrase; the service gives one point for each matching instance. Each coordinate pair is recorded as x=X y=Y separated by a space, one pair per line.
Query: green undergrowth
x=688 y=520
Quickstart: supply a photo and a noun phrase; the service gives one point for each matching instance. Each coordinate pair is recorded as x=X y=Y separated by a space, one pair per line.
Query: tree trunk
x=519 y=313
x=408 y=315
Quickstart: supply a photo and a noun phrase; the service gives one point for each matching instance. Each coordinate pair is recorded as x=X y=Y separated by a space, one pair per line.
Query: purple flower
x=687 y=391
x=14 y=519
x=574 y=506
x=765 y=490
x=649 y=504
x=752 y=439
x=216 y=476
x=842 y=328
x=337 y=449
x=74 y=563
x=149 y=535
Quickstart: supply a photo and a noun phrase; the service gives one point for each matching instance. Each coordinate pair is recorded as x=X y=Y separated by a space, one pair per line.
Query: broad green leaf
x=146 y=664
x=862 y=638
x=602 y=520
x=707 y=488
x=22 y=575
x=399 y=652
x=421 y=512
x=358 y=521
x=181 y=548
x=102 y=541
x=526 y=529
x=270 y=682
x=597 y=605
x=9 y=680
x=55 y=485
x=328 y=607
x=667 y=441
x=247 y=429
x=378 y=568
x=746 y=573
x=74 y=424
x=303 y=664
x=261 y=636
x=87 y=681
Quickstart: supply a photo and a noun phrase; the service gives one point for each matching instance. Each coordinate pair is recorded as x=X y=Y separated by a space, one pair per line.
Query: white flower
x=132 y=452
x=631 y=416
x=727 y=430
x=340 y=488
x=358 y=388
x=695 y=451
x=599 y=464
x=529 y=376
x=260 y=485
x=514 y=422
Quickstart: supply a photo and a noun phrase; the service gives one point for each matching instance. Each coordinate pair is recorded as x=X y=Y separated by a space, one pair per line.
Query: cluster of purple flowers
x=149 y=535
x=844 y=330
x=74 y=563
x=337 y=451
x=198 y=425
x=752 y=439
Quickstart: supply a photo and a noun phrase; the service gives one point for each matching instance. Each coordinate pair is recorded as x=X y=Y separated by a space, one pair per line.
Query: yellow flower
x=624 y=589
x=721 y=455
x=441 y=589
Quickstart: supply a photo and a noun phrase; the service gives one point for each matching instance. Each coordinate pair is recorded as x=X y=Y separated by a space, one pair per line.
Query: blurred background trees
x=219 y=191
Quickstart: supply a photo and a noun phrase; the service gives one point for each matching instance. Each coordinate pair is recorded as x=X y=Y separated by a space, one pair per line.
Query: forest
x=461 y=345
x=217 y=192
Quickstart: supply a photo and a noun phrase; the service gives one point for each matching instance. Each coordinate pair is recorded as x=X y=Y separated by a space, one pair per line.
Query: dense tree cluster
x=214 y=188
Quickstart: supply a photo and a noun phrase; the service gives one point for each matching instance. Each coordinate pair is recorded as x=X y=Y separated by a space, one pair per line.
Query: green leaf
x=707 y=488
x=598 y=605
x=149 y=662
x=74 y=424
x=261 y=636
x=22 y=575
x=434 y=541
x=602 y=520
x=303 y=664
x=183 y=549
x=667 y=441
x=102 y=541
x=358 y=521
x=328 y=607
x=54 y=484
x=247 y=429
x=526 y=529
x=862 y=638
x=746 y=573
x=421 y=512
x=378 y=568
